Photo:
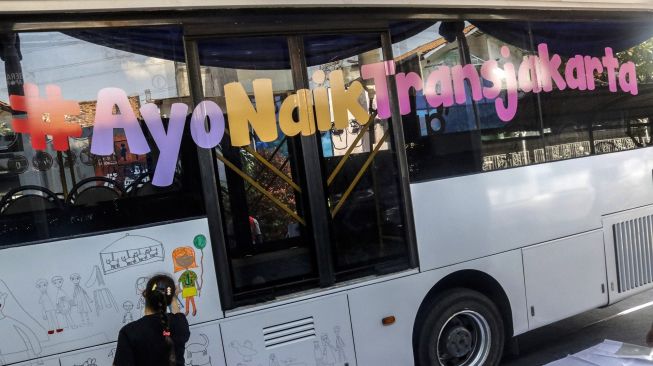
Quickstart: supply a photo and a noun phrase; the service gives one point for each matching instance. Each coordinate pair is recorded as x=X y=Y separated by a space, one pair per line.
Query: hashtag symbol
x=45 y=116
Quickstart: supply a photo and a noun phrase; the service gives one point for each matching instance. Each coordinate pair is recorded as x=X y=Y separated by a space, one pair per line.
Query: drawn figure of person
x=273 y=360
x=140 y=287
x=340 y=345
x=328 y=351
x=47 y=307
x=128 y=306
x=63 y=302
x=246 y=350
x=11 y=328
x=184 y=259
x=81 y=300
x=317 y=352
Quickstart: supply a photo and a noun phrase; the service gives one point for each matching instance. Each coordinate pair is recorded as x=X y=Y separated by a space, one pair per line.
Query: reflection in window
x=49 y=194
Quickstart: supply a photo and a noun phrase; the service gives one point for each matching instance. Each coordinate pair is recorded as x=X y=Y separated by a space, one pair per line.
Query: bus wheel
x=462 y=328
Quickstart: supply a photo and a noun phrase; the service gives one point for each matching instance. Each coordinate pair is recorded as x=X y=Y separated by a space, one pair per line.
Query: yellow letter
x=303 y=102
x=345 y=100
x=322 y=108
x=241 y=112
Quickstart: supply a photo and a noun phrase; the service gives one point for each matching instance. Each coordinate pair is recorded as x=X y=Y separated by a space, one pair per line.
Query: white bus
x=336 y=183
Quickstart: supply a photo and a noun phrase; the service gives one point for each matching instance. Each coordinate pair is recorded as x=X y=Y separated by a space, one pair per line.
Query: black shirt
x=141 y=342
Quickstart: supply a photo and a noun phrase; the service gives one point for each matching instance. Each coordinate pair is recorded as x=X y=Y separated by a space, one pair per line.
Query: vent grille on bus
x=290 y=332
x=634 y=250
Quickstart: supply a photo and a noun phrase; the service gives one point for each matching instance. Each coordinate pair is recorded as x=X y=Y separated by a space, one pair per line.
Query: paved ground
x=627 y=321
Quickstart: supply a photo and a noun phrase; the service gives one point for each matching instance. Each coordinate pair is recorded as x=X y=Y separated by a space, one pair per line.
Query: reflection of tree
x=272 y=220
x=642 y=56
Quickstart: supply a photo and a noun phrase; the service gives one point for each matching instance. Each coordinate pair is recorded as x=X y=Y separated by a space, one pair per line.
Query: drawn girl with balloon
x=190 y=284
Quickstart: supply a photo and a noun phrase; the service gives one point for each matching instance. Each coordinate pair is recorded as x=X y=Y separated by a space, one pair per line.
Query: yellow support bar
x=351 y=147
x=269 y=195
x=360 y=173
x=273 y=168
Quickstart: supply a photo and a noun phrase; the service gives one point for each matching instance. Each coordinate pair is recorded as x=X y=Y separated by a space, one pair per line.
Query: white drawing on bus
x=48 y=311
x=197 y=353
x=88 y=362
x=18 y=340
x=81 y=300
x=102 y=296
x=128 y=317
x=340 y=345
x=63 y=303
x=246 y=350
x=130 y=251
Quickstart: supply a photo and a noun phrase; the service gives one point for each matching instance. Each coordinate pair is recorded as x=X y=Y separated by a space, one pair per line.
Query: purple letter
x=628 y=78
x=378 y=71
x=549 y=69
x=441 y=76
x=203 y=138
x=404 y=83
x=592 y=65
x=106 y=121
x=611 y=65
x=460 y=73
x=169 y=143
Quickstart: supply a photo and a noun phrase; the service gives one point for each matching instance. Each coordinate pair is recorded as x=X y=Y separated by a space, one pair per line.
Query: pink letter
x=491 y=72
x=459 y=74
x=575 y=73
x=169 y=143
x=549 y=69
x=628 y=78
x=404 y=83
x=611 y=64
x=508 y=112
x=592 y=65
x=203 y=138
x=378 y=72
x=106 y=122
x=442 y=77
x=528 y=75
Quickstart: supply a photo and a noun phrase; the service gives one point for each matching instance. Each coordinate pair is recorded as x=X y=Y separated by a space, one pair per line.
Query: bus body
x=409 y=217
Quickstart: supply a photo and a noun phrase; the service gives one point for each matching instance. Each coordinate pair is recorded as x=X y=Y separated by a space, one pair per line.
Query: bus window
x=53 y=186
x=452 y=137
x=598 y=120
x=267 y=231
x=360 y=165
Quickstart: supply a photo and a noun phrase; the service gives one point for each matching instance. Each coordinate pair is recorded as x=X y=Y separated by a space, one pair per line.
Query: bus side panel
x=77 y=293
x=468 y=217
x=392 y=345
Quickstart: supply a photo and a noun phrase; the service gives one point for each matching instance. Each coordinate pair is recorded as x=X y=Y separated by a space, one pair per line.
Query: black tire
x=454 y=326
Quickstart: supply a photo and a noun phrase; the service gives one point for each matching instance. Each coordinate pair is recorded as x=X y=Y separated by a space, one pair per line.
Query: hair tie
x=154 y=287
x=168 y=291
x=166 y=333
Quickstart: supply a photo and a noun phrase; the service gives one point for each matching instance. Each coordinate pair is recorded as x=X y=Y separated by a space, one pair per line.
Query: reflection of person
x=123 y=152
x=255 y=229
x=47 y=307
x=184 y=259
x=81 y=299
x=159 y=337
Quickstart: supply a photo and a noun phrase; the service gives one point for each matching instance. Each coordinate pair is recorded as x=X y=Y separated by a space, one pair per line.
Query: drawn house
x=130 y=251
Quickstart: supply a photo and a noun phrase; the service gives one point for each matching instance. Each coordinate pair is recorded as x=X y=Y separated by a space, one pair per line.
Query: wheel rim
x=463 y=340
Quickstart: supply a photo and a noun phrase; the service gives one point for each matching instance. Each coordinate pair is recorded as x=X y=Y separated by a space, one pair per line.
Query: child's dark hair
x=159 y=292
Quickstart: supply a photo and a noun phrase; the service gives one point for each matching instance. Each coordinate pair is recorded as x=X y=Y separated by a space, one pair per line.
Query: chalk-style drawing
x=130 y=251
x=246 y=350
x=273 y=360
x=197 y=353
x=140 y=290
x=184 y=259
x=48 y=311
x=340 y=345
x=128 y=306
x=81 y=300
x=102 y=296
x=112 y=353
x=325 y=352
x=17 y=337
x=63 y=303
x=290 y=361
